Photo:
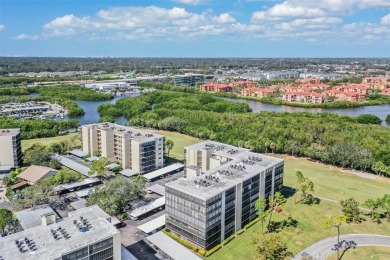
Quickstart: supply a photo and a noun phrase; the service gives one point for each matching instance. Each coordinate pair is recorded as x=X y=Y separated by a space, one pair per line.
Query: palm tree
x=169 y=145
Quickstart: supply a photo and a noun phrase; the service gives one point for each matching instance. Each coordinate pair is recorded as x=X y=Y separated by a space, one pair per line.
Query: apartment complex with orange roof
x=303 y=97
x=257 y=92
x=377 y=82
x=215 y=87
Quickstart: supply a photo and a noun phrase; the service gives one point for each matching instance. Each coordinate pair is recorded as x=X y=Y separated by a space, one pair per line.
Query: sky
x=195 y=28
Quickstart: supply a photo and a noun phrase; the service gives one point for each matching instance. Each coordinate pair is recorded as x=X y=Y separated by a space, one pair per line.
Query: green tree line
x=30 y=129
x=334 y=139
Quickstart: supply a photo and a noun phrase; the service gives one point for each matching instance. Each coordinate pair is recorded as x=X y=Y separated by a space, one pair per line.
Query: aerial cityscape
x=195 y=129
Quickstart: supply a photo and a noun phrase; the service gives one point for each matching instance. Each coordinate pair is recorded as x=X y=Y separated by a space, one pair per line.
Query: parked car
x=121 y=224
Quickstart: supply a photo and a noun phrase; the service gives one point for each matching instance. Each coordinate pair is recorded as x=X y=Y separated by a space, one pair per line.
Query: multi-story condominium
x=376 y=82
x=215 y=87
x=11 y=149
x=86 y=234
x=188 y=79
x=218 y=195
x=303 y=97
x=132 y=148
x=257 y=92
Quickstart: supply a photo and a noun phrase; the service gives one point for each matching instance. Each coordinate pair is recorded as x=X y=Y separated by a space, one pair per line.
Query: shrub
x=251 y=223
x=239 y=232
x=227 y=240
x=181 y=241
x=368 y=119
x=213 y=250
x=201 y=252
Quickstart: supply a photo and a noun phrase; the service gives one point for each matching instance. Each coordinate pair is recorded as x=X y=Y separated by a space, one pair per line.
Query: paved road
x=321 y=249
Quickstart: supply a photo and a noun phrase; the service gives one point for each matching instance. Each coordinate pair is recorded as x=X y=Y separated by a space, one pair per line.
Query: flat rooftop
x=242 y=166
x=30 y=218
x=170 y=247
x=47 y=247
x=9 y=132
x=135 y=134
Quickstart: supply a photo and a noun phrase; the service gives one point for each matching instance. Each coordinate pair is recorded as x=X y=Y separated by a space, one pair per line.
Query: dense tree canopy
x=335 y=139
x=73 y=92
x=368 y=119
x=118 y=194
x=38 y=128
x=39 y=154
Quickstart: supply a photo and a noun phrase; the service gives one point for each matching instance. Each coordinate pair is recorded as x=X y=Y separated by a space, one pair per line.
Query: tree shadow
x=277 y=226
x=171 y=160
x=288 y=192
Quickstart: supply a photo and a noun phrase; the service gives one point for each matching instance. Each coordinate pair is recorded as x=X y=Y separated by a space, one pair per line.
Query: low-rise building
x=132 y=148
x=386 y=92
x=308 y=81
x=257 y=92
x=86 y=234
x=352 y=88
x=376 y=82
x=217 y=197
x=11 y=148
x=188 y=79
x=345 y=96
x=215 y=87
x=303 y=97
x=35 y=173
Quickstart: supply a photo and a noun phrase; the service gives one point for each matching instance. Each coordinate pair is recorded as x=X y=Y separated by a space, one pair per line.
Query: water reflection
x=380 y=111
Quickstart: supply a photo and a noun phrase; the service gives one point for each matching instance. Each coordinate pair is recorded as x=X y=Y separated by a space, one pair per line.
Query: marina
x=32 y=110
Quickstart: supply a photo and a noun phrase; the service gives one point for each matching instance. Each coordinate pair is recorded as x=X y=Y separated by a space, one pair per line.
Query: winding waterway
x=380 y=111
x=91 y=114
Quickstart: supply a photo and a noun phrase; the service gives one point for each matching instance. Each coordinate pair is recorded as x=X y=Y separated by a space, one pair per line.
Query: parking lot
x=133 y=238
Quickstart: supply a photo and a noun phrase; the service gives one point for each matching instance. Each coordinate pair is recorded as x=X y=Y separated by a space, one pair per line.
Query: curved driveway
x=321 y=249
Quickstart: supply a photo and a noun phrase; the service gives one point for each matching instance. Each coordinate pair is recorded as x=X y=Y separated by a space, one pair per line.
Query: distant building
x=219 y=194
x=376 y=82
x=303 y=97
x=322 y=76
x=386 y=92
x=281 y=75
x=10 y=148
x=188 y=79
x=352 y=88
x=132 y=148
x=257 y=92
x=345 y=96
x=309 y=81
x=215 y=87
x=86 y=234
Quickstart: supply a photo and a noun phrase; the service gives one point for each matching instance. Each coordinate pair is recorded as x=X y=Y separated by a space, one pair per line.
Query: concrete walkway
x=322 y=249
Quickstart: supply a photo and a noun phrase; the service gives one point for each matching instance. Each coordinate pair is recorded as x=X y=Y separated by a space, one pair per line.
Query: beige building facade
x=132 y=148
x=11 y=149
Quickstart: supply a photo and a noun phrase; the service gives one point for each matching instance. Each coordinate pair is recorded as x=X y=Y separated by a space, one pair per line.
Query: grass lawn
x=179 y=140
x=333 y=182
x=308 y=230
x=367 y=252
x=47 y=141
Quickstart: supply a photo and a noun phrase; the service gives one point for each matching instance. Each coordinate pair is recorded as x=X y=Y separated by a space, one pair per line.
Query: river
x=380 y=111
x=91 y=114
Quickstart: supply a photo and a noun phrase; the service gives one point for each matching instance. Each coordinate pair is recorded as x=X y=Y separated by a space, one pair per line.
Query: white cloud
x=286 y=10
x=2 y=27
x=142 y=22
x=302 y=19
x=314 y=8
x=24 y=36
x=190 y=2
x=385 y=20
